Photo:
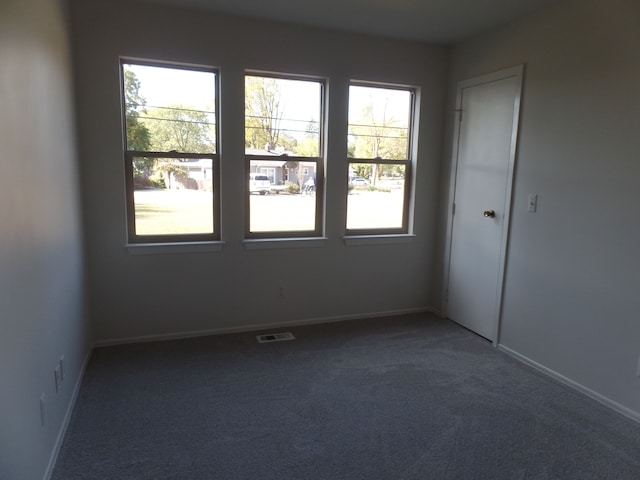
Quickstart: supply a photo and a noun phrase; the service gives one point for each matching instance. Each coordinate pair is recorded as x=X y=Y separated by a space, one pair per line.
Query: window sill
x=357 y=240
x=169 y=248
x=268 y=243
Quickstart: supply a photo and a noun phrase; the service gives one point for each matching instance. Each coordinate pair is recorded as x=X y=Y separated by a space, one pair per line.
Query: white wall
x=41 y=260
x=572 y=296
x=164 y=294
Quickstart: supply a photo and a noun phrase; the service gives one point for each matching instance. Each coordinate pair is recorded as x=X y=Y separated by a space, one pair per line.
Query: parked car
x=359 y=182
x=260 y=183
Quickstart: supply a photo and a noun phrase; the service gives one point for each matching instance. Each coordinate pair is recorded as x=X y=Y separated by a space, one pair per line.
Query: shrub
x=292 y=187
x=157 y=179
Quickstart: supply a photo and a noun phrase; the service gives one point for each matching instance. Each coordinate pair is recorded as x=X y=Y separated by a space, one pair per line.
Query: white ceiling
x=433 y=21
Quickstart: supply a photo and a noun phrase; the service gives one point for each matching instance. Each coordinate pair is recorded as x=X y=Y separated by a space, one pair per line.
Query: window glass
x=179 y=200
x=169 y=109
x=277 y=205
x=282 y=116
x=375 y=206
x=379 y=120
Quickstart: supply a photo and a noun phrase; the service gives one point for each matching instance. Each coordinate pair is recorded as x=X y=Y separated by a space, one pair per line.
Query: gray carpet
x=410 y=397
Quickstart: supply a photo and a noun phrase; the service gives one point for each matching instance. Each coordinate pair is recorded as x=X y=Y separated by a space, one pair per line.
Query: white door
x=484 y=155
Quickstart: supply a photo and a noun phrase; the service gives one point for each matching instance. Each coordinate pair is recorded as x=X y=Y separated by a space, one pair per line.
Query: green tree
x=180 y=128
x=263 y=112
x=138 y=136
x=309 y=146
x=377 y=135
x=362 y=169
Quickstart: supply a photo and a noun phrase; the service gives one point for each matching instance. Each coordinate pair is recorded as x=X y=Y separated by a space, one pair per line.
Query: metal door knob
x=489 y=213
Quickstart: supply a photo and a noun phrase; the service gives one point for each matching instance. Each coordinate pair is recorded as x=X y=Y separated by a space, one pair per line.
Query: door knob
x=489 y=213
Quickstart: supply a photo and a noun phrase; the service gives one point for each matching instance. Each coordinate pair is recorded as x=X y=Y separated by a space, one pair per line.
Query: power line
x=172 y=120
x=280 y=119
x=178 y=109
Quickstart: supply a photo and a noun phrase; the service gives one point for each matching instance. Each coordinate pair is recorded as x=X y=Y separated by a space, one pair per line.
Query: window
x=284 y=146
x=379 y=155
x=171 y=160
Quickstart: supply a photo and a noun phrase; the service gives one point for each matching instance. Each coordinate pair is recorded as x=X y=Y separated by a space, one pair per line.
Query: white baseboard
x=67 y=418
x=257 y=326
x=627 y=412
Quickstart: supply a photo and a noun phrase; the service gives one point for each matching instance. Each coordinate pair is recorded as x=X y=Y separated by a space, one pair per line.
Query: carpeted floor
x=410 y=397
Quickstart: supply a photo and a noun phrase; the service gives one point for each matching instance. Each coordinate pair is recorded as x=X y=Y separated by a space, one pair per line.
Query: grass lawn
x=161 y=212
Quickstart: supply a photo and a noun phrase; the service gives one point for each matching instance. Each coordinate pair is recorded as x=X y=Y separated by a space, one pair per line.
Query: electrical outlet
x=58 y=377
x=43 y=399
x=61 y=364
x=281 y=292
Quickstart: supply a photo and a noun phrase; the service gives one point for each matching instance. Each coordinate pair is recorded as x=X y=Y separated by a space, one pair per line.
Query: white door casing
x=483 y=162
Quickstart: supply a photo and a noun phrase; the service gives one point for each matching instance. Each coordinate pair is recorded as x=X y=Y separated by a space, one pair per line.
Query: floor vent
x=275 y=337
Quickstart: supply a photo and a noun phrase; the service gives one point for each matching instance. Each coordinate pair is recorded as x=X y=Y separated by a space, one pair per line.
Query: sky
x=165 y=86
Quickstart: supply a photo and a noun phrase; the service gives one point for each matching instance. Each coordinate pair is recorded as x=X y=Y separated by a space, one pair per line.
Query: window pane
x=176 y=197
x=169 y=109
x=282 y=196
x=282 y=116
x=379 y=123
x=376 y=196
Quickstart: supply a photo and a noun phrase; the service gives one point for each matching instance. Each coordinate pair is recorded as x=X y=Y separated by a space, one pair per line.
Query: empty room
x=260 y=239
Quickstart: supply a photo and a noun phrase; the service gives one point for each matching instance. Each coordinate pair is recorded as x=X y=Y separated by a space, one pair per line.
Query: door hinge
x=459 y=112
x=453 y=209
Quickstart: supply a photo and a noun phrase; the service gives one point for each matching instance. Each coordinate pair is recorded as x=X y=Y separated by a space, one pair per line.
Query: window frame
x=407 y=163
x=132 y=237
x=319 y=166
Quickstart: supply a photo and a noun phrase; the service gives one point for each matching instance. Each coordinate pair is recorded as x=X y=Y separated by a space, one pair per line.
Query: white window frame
x=407 y=163
x=317 y=232
x=130 y=155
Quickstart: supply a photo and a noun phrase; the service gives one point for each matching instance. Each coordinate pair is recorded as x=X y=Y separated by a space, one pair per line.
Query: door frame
x=517 y=72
